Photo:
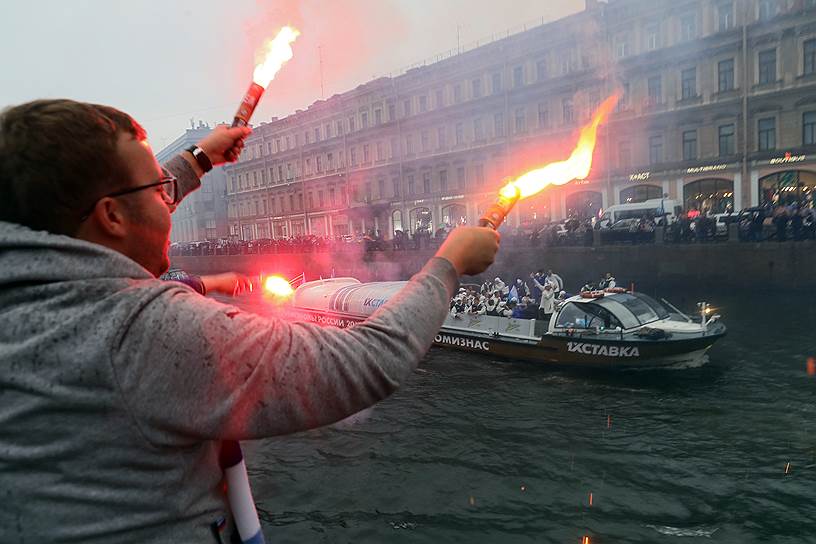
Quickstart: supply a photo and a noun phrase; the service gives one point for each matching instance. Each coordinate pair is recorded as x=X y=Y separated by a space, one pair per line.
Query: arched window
x=454 y=214
x=420 y=219
x=396 y=219
x=788 y=187
x=709 y=195
x=640 y=193
x=584 y=204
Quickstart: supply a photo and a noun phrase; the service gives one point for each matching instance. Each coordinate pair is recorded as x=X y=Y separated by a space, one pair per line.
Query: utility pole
x=320 y=55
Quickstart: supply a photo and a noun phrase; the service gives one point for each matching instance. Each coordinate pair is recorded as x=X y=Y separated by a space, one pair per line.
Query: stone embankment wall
x=767 y=265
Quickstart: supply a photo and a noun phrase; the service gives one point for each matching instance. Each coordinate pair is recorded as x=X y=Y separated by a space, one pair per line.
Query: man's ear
x=110 y=217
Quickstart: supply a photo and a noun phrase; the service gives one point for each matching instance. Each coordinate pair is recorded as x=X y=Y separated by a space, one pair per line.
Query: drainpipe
x=745 y=177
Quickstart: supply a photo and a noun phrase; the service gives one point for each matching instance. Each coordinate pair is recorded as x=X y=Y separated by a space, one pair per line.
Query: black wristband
x=201 y=158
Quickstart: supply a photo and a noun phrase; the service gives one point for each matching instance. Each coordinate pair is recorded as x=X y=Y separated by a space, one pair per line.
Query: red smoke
x=349 y=34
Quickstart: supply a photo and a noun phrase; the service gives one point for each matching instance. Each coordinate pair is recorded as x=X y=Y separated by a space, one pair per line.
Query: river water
x=478 y=450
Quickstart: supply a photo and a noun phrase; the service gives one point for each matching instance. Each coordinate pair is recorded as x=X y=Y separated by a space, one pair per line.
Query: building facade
x=203 y=214
x=718 y=112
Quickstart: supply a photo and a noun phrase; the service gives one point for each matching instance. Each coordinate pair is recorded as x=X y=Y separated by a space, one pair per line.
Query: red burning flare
x=577 y=166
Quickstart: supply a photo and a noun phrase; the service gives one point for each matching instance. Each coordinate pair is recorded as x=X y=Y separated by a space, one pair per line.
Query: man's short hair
x=57 y=157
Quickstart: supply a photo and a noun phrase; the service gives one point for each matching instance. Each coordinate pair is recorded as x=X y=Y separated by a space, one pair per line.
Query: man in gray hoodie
x=117 y=388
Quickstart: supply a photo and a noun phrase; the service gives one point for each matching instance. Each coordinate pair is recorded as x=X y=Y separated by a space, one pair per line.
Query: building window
x=498 y=125
x=319 y=163
x=543 y=116
x=317 y=134
x=476 y=88
x=320 y=200
x=622 y=47
x=478 y=131
x=353 y=153
x=381 y=188
x=460 y=133
x=392 y=112
x=366 y=153
x=541 y=70
x=352 y=128
x=518 y=76
x=327 y=128
x=655 y=87
x=809 y=128
x=424 y=141
x=457 y=93
x=688 y=83
x=378 y=116
x=442 y=137
x=395 y=182
x=767 y=66
x=332 y=199
x=461 y=181
x=392 y=151
x=689 y=145
x=767 y=9
x=725 y=16
x=411 y=185
x=726 y=136
x=280 y=173
x=766 y=134
x=568 y=111
x=480 y=174
x=725 y=74
x=443 y=181
x=440 y=98
x=521 y=120
x=380 y=151
x=688 y=27
x=406 y=107
x=423 y=103
x=655 y=149
x=809 y=56
x=624 y=155
x=409 y=145
x=652 y=33
x=339 y=127
x=496 y=80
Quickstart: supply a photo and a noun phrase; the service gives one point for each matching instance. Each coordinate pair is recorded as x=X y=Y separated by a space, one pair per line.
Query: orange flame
x=577 y=166
x=278 y=286
x=274 y=54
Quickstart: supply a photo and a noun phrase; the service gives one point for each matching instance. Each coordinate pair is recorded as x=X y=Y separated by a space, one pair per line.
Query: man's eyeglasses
x=170 y=192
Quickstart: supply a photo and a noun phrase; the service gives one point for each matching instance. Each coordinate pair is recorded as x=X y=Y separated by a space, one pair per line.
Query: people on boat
x=607 y=282
x=477 y=307
x=547 y=305
x=555 y=280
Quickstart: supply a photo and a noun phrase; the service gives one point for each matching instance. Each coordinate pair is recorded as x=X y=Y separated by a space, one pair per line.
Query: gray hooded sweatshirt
x=116 y=388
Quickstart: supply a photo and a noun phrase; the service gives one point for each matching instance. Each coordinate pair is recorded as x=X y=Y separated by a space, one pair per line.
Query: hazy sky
x=166 y=61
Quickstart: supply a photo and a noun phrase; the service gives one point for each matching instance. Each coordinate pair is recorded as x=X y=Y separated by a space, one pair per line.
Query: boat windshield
x=586 y=316
x=631 y=309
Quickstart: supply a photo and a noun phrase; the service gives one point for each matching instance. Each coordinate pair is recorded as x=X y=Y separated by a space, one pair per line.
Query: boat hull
x=553 y=349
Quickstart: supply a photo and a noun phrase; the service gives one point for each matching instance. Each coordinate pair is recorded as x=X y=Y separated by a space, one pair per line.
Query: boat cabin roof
x=628 y=310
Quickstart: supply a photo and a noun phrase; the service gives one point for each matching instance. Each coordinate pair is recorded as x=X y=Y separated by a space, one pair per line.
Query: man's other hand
x=470 y=249
x=224 y=144
x=228 y=283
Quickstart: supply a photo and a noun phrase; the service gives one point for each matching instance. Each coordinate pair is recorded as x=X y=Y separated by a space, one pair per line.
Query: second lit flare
x=273 y=56
x=577 y=166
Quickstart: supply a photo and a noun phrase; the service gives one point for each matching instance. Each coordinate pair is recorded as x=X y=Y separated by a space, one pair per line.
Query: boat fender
x=615 y=290
x=592 y=294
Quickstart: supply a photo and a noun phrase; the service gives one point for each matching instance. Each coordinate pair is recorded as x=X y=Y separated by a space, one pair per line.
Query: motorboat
x=604 y=328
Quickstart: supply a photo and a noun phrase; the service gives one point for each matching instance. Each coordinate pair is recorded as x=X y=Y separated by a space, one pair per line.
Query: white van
x=656 y=207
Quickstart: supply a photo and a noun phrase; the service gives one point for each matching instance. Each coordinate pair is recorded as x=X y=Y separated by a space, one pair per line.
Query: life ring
x=615 y=290
x=592 y=294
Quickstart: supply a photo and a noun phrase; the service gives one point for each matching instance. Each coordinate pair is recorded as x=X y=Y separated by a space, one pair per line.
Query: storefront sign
x=639 y=176
x=707 y=168
x=788 y=158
